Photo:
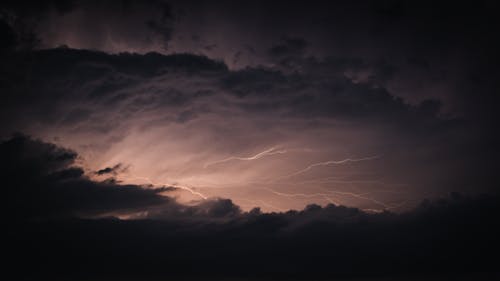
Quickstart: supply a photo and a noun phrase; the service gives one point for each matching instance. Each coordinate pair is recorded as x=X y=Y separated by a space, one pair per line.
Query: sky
x=226 y=126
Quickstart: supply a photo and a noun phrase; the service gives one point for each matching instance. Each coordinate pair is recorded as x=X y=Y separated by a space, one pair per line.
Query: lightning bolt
x=328 y=194
x=331 y=162
x=268 y=152
x=188 y=189
x=373 y=200
x=363 y=197
x=325 y=196
x=337 y=180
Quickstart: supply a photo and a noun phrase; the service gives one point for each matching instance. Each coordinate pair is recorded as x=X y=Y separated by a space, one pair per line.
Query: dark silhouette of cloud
x=110 y=170
x=105 y=78
x=289 y=47
x=27 y=19
x=454 y=237
x=41 y=182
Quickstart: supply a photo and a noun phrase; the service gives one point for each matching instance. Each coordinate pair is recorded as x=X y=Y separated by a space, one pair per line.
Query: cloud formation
x=155 y=113
x=41 y=182
x=48 y=201
x=249 y=140
x=406 y=81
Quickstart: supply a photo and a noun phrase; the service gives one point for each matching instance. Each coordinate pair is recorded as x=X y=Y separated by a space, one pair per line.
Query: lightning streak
x=190 y=190
x=336 y=180
x=328 y=195
x=331 y=162
x=363 y=197
x=270 y=151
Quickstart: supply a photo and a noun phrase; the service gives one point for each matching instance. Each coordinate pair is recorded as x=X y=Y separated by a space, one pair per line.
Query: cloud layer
x=156 y=114
x=48 y=199
x=249 y=140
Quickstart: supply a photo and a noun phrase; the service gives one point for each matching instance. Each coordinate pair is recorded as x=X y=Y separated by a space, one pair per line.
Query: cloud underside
x=48 y=199
x=140 y=110
x=43 y=183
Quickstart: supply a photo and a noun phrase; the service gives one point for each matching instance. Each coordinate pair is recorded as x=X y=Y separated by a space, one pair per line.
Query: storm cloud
x=134 y=110
x=42 y=181
x=56 y=216
x=249 y=140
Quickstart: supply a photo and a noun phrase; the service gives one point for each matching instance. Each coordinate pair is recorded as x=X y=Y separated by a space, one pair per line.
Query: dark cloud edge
x=49 y=238
x=260 y=88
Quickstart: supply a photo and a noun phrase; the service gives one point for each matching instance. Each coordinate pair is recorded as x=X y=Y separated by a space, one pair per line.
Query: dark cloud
x=163 y=26
x=322 y=89
x=103 y=79
x=41 y=182
x=452 y=237
x=440 y=240
x=104 y=97
x=39 y=23
x=109 y=170
x=7 y=35
x=289 y=47
x=19 y=20
x=182 y=94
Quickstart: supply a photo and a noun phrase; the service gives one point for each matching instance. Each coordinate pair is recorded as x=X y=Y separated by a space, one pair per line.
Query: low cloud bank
x=49 y=233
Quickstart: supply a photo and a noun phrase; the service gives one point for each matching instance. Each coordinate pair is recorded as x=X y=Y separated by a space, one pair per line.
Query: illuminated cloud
x=249 y=140
x=271 y=151
x=188 y=121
